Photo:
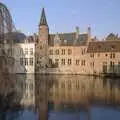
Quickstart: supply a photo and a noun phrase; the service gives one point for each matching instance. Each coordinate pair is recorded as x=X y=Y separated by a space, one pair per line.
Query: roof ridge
x=107 y=41
x=63 y=33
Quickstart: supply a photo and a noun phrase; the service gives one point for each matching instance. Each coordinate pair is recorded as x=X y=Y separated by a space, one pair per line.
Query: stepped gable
x=104 y=46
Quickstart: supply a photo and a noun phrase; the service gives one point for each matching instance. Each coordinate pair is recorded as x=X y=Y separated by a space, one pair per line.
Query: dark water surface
x=74 y=98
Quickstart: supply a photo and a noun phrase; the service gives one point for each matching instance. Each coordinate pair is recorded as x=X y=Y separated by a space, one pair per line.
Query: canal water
x=72 y=97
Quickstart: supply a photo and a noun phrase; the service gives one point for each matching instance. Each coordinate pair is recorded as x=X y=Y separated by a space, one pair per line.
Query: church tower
x=42 y=42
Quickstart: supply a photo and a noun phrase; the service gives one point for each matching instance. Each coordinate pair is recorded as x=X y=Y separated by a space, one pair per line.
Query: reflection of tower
x=42 y=43
x=41 y=96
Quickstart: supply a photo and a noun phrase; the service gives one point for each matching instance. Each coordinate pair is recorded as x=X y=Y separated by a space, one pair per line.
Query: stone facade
x=74 y=53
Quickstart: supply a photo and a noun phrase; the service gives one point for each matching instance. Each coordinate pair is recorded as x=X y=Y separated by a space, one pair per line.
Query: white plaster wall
x=17 y=55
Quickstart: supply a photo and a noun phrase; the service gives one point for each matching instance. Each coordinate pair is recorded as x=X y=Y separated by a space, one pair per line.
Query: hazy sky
x=64 y=15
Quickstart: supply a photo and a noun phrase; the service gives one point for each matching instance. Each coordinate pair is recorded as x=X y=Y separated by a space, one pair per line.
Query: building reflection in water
x=27 y=89
x=73 y=94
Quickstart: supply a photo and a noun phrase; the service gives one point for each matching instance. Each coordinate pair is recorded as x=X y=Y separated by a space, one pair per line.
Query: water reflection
x=73 y=97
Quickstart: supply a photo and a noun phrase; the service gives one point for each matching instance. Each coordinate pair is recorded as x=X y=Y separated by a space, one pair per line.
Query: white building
x=28 y=90
x=24 y=54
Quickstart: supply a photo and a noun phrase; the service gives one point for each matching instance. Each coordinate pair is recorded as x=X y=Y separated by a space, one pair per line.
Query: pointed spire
x=43 y=20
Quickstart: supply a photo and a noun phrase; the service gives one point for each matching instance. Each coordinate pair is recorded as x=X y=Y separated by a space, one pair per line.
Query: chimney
x=77 y=32
x=89 y=34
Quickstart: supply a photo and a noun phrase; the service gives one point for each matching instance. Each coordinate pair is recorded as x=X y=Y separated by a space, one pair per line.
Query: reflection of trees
x=11 y=90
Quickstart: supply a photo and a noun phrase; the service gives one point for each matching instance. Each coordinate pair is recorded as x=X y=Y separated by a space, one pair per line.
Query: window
x=57 y=52
x=119 y=66
x=69 y=51
x=50 y=61
x=111 y=64
x=92 y=55
x=26 y=86
x=31 y=61
x=31 y=87
x=77 y=62
x=26 y=94
x=63 y=51
x=63 y=85
x=69 y=61
x=77 y=84
x=21 y=61
x=112 y=55
x=83 y=51
x=106 y=55
x=56 y=85
x=41 y=47
x=69 y=85
x=63 y=61
x=113 y=47
x=98 y=54
x=26 y=61
x=31 y=51
x=9 y=51
x=26 y=51
x=56 y=61
x=83 y=63
x=51 y=52
x=92 y=64
x=21 y=51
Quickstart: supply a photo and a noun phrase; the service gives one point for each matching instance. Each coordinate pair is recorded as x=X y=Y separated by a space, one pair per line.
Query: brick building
x=74 y=53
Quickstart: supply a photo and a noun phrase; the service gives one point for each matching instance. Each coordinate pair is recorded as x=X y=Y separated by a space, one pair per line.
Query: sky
x=103 y=16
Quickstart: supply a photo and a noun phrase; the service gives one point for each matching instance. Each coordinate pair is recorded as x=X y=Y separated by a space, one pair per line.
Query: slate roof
x=17 y=37
x=69 y=38
x=104 y=46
